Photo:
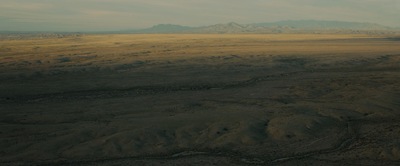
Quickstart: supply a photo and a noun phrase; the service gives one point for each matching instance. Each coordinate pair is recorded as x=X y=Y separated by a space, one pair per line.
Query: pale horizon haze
x=109 y=15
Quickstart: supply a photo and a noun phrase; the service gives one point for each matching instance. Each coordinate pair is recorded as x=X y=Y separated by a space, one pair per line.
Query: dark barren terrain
x=282 y=99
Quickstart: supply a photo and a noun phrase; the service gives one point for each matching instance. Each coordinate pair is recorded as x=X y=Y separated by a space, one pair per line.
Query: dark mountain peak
x=234 y=24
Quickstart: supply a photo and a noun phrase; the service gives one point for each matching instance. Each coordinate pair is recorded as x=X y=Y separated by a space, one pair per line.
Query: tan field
x=298 y=99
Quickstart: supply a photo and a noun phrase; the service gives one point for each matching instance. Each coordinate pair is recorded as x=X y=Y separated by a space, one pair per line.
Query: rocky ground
x=225 y=100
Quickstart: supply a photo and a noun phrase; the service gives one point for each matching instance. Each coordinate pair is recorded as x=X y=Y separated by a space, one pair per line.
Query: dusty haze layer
x=200 y=100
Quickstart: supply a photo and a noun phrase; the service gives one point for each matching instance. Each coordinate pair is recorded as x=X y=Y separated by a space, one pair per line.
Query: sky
x=106 y=15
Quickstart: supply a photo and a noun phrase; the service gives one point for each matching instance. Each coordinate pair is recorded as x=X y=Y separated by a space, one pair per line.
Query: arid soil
x=299 y=99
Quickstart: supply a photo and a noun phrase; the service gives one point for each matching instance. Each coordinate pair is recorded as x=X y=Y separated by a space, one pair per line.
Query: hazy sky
x=84 y=15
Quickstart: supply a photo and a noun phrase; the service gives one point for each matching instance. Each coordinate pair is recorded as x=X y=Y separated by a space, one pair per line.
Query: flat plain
x=229 y=99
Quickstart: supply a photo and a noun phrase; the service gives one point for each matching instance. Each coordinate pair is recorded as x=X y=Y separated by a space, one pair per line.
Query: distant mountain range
x=298 y=26
x=165 y=28
x=310 y=26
